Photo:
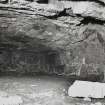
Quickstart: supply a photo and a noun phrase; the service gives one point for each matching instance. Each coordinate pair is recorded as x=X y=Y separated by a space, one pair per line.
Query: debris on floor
x=87 y=89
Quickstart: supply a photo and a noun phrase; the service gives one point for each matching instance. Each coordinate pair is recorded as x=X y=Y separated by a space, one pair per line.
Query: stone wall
x=24 y=62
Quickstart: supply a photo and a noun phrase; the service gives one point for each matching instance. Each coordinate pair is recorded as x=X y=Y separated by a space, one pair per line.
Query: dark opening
x=89 y=19
x=43 y=1
x=51 y=58
x=4 y=1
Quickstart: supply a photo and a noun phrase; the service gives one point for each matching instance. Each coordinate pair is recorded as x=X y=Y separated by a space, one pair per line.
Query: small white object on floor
x=87 y=89
x=11 y=100
x=87 y=99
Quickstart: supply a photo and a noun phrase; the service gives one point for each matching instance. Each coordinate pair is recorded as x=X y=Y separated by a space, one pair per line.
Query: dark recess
x=92 y=20
x=43 y=1
x=4 y=1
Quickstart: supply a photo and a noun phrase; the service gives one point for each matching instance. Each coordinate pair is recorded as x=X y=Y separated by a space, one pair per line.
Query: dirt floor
x=40 y=90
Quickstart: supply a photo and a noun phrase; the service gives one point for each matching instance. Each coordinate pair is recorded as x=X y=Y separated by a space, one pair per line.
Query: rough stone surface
x=86 y=8
x=34 y=41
